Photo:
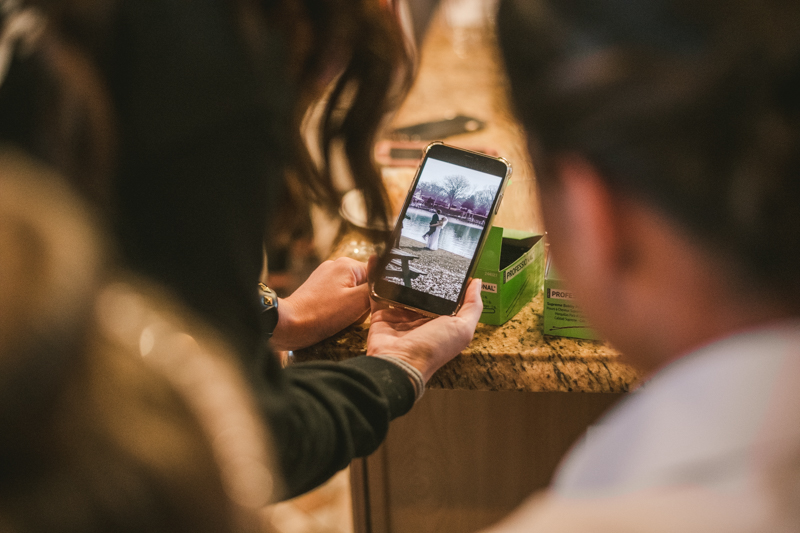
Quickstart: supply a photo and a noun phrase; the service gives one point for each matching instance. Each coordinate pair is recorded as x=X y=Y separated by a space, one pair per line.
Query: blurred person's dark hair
x=92 y=437
x=56 y=103
x=361 y=47
x=691 y=106
x=52 y=101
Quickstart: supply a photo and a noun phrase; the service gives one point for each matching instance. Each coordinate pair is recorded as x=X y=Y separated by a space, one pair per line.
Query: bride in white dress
x=433 y=239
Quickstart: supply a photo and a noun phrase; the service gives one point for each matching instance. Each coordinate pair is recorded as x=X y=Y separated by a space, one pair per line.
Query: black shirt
x=203 y=140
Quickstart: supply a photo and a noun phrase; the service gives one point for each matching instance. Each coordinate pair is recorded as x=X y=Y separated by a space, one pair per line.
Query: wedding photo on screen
x=441 y=228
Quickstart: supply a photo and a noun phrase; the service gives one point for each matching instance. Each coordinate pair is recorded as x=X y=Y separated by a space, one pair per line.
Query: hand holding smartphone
x=441 y=229
x=424 y=343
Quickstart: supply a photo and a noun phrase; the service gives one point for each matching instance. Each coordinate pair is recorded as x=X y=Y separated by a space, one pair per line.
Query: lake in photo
x=458 y=237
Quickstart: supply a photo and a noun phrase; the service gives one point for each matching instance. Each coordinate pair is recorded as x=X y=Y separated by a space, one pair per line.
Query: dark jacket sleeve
x=324 y=414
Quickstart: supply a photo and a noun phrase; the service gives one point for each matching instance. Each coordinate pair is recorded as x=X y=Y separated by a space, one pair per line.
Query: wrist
x=413 y=373
x=420 y=364
x=282 y=337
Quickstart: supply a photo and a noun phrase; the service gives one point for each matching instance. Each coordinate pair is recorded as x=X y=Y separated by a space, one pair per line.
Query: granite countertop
x=516 y=356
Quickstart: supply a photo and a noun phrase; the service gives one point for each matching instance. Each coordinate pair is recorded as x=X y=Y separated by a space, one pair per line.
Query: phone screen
x=435 y=245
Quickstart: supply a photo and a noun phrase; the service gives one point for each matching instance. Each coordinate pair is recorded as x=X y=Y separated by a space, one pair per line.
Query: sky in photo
x=436 y=171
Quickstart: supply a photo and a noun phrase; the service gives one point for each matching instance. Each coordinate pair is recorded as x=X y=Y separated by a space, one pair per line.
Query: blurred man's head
x=666 y=139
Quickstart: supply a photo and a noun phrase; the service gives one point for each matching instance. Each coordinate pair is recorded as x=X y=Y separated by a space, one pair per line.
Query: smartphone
x=410 y=153
x=438 y=237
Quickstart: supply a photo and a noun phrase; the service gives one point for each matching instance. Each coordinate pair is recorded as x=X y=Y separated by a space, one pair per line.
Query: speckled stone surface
x=513 y=357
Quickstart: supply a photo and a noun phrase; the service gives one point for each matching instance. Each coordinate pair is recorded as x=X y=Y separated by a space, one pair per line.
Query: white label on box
x=559 y=294
x=512 y=272
x=489 y=287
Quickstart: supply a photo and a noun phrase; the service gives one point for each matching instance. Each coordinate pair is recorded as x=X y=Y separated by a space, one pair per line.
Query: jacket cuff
x=391 y=379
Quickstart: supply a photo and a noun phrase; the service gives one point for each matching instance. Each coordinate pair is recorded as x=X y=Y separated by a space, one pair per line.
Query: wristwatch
x=268 y=302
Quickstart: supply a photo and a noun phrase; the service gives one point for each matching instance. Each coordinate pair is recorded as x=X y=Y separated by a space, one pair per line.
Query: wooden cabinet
x=461 y=460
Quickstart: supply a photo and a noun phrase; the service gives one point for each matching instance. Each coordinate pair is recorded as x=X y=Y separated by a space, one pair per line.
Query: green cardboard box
x=561 y=316
x=512 y=268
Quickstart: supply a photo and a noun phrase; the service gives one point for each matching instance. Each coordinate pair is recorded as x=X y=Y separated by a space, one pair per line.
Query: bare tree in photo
x=469 y=203
x=455 y=187
x=483 y=201
x=431 y=189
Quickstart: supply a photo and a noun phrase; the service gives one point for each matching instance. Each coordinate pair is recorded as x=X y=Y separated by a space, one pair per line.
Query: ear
x=583 y=225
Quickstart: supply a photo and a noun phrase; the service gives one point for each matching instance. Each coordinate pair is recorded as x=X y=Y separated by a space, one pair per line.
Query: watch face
x=268 y=302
